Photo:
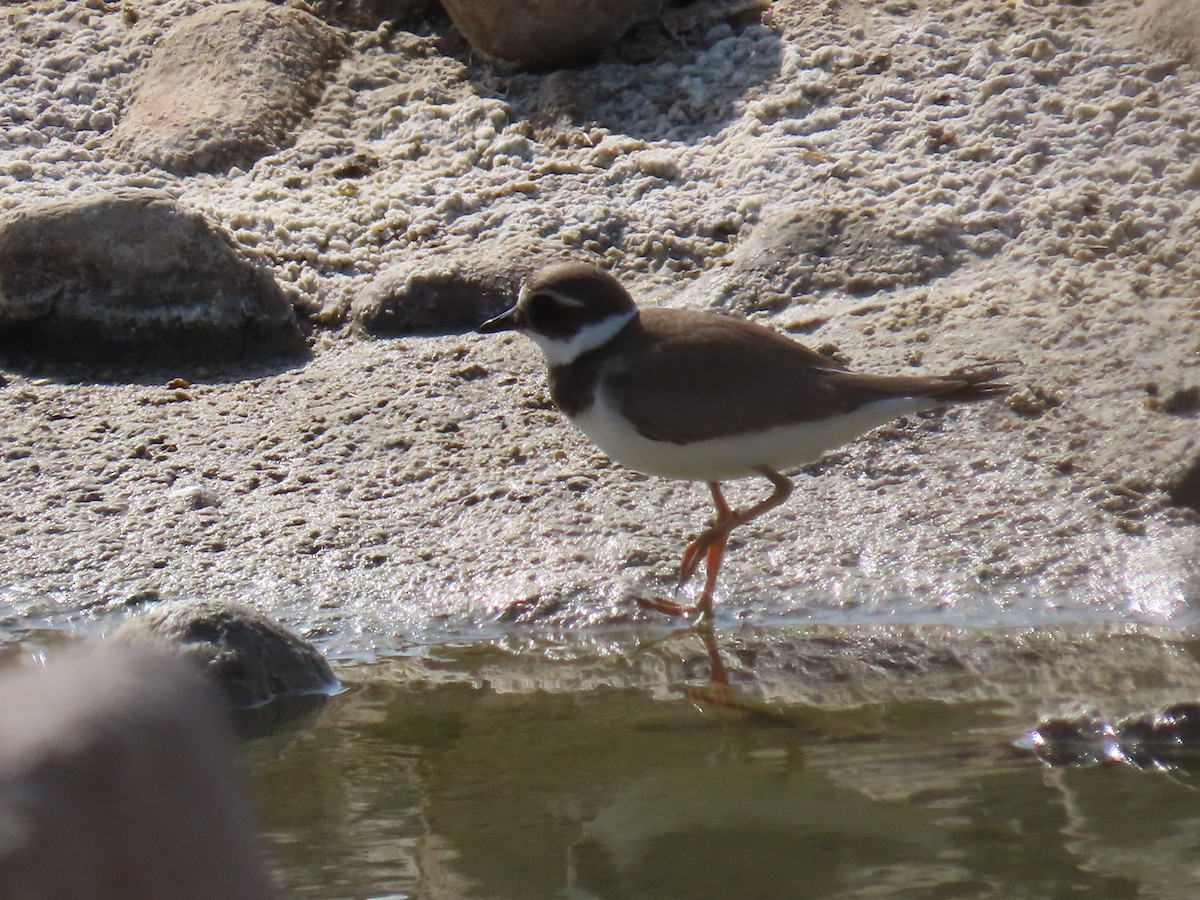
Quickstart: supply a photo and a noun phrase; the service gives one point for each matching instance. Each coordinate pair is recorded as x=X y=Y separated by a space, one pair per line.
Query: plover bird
x=706 y=397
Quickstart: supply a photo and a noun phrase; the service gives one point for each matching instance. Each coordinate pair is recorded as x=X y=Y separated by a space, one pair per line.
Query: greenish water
x=481 y=775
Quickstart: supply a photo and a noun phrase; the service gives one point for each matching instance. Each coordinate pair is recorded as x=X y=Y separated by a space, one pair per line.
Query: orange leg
x=714 y=537
x=711 y=543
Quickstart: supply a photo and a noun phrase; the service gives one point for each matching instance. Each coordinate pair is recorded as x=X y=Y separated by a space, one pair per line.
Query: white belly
x=736 y=456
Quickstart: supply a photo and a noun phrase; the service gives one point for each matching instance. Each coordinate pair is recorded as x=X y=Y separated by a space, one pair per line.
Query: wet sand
x=1024 y=185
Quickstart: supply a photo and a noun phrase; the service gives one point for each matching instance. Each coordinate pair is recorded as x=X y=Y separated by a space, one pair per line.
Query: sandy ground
x=1027 y=176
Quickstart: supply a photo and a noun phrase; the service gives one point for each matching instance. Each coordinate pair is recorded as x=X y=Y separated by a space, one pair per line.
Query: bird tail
x=970 y=385
x=963 y=386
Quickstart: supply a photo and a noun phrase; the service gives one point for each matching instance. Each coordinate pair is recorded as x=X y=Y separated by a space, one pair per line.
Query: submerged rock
x=252 y=657
x=128 y=276
x=1167 y=738
x=226 y=86
x=546 y=33
x=118 y=780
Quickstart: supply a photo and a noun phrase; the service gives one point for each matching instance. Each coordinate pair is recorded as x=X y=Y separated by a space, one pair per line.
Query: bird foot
x=711 y=541
x=701 y=609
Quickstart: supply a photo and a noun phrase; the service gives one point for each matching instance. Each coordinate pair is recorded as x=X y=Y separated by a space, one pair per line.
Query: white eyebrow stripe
x=565 y=299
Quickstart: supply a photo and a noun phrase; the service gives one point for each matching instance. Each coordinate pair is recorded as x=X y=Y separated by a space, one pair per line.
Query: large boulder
x=119 y=781
x=226 y=86
x=129 y=276
x=547 y=33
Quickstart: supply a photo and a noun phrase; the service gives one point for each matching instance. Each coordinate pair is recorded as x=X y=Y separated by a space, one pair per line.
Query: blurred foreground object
x=118 y=780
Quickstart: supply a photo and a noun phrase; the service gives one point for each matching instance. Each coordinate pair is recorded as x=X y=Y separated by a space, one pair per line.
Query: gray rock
x=253 y=658
x=805 y=250
x=406 y=14
x=451 y=294
x=1184 y=490
x=227 y=86
x=130 y=277
x=547 y=33
x=1172 y=26
x=118 y=781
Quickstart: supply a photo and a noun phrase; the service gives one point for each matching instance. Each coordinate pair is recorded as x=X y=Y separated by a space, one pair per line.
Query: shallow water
x=493 y=771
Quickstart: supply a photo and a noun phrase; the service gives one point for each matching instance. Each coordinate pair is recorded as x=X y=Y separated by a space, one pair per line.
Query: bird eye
x=539 y=307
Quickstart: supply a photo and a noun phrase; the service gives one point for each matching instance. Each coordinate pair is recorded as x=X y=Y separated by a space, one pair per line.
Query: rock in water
x=226 y=86
x=546 y=33
x=253 y=658
x=130 y=277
